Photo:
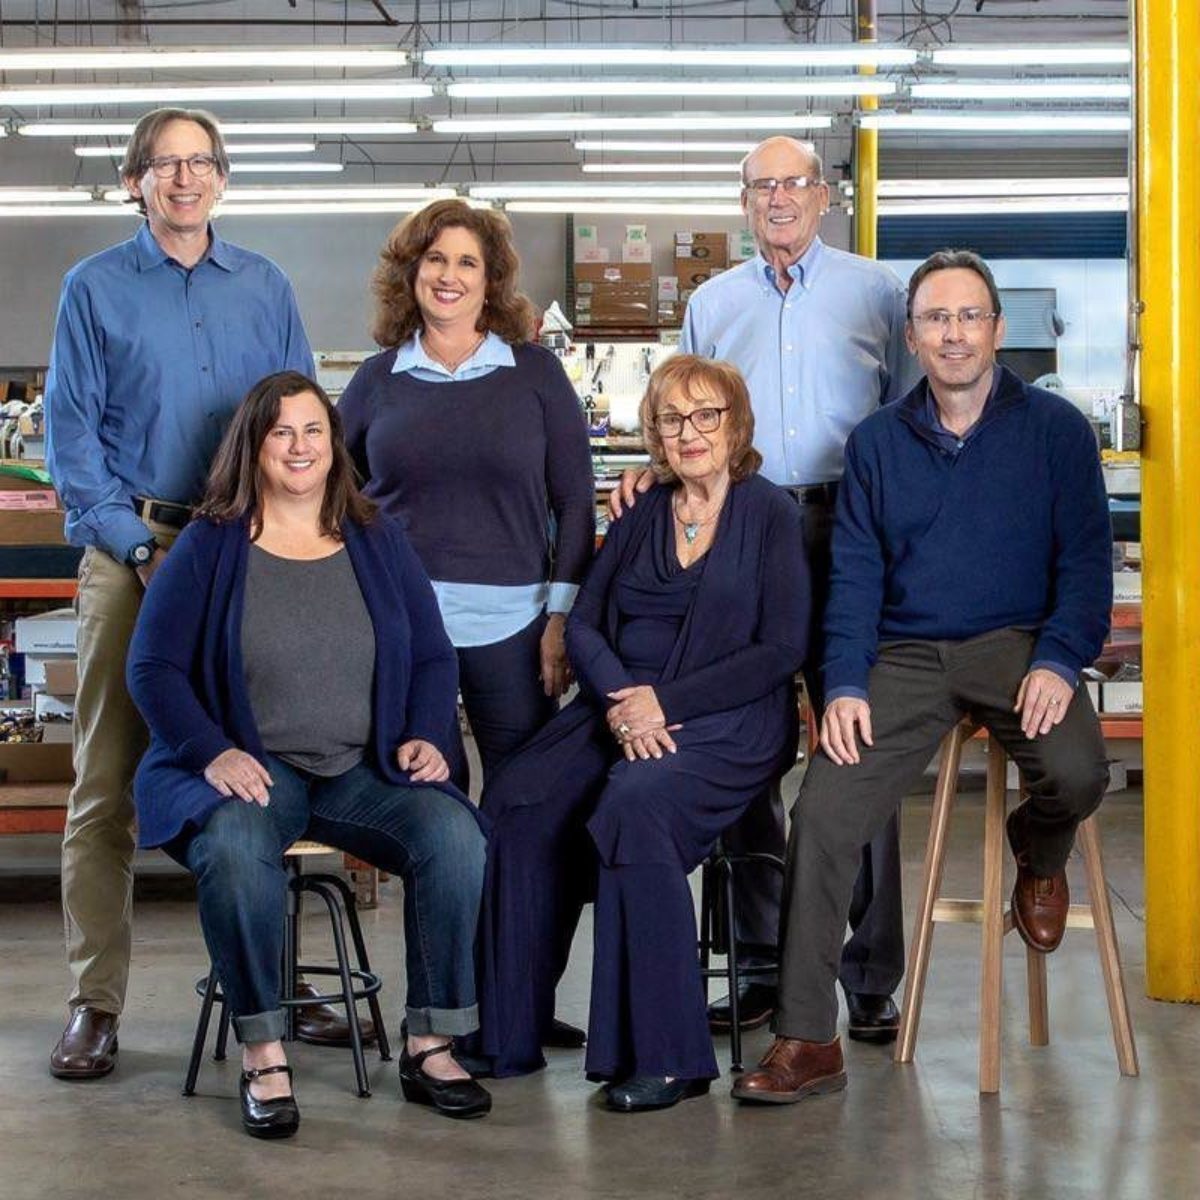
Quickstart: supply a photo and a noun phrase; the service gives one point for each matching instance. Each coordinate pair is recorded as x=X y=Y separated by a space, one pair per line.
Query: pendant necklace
x=691 y=529
x=458 y=362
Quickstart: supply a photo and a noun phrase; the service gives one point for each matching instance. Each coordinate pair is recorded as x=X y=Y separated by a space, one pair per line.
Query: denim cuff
x=260 y=1027
x=449 y=1022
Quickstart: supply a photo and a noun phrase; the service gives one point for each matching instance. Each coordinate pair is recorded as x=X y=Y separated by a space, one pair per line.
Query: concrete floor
x=1065 y=1125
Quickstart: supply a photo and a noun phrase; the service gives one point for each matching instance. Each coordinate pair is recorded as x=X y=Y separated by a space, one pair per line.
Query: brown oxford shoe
x=1039 y=904
x=792 y=1069
x=88 y=1046
x=326 y=1024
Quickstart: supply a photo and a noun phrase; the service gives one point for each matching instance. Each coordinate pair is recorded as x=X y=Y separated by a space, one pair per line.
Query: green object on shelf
x=21 y=471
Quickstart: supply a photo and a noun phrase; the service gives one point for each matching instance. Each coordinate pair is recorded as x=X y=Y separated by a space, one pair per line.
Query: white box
x=47 y=633
x=1127 y=587
x=45 y=705
x=1093 y=690
x=1122 y=697
x=742 y=246
x=635 y=252
x=635 y=233
x=668 y=288
x=58 y=733
x=35 y=667
x=591 y=254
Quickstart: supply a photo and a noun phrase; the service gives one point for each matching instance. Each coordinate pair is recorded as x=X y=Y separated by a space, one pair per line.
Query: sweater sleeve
x=780 y=641
x=354 y=409
x=857 y=580
x=165 y=642
x=1074 y=633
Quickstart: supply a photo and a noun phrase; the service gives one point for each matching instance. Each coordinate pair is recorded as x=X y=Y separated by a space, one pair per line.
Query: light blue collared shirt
x=479 y=614
x=817 y=358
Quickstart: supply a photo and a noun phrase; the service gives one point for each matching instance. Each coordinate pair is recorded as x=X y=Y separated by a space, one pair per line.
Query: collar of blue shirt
x=802 y=270
x=493 y=352
x=150 y=254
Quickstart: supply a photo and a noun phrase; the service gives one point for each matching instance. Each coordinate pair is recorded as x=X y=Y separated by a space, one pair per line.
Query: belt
x=814 y=493
x=162 y=512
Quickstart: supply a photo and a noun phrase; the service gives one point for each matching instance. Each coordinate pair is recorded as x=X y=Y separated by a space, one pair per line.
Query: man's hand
x=636 y=713
x=649 y=745
x=1042 y=701
x=625 y=494
x=838 y=729
x=146 y=573
x=236 y=773
x=424 y=762
x=556 y=669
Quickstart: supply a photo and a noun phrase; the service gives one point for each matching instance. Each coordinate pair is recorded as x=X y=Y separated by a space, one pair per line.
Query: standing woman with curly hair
x=473 y=437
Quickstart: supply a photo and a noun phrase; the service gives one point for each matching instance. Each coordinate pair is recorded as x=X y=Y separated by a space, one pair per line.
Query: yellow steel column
x=1167 y=38
x=866 y=151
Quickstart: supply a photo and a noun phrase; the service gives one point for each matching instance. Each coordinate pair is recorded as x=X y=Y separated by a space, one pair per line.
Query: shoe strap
x=258 y=1072
x=418 y=1060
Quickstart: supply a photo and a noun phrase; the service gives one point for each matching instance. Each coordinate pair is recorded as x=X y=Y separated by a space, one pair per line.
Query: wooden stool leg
x=931 y=886
x=991 y=979
x=1088 y=840
x=1039 y=1004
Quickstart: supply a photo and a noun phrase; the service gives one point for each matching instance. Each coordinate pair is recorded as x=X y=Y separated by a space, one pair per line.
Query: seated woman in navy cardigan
x=292 y=667
x=685 y=639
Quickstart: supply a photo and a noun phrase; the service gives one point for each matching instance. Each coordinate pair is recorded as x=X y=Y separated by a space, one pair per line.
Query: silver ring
x=623 y=729
x=1053 y=703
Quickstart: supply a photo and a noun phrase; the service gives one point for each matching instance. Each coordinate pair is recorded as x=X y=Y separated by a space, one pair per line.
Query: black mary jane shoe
x=460 y=1098
x=645 y=1093
x=276 y=1118
x=561 y=1036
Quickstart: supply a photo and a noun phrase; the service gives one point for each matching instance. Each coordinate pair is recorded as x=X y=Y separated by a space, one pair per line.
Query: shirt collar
x=933 y=421
x=150 y=254
x=493 y=351
x=801 y=271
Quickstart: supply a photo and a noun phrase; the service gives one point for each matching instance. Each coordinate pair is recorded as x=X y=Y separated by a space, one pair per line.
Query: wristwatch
x=141 y=554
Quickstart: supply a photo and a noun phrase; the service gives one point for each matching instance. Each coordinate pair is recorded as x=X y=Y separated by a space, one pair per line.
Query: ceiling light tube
x=200 y=58
x=208 y=93
x=332 y=127
x=1019 y=89
x=27 y=211
x=652 y=146
x=375 y=193
x=294 y=168
x=998 y=205
x=614 y=208
x=500 y=89
x=572 y=55
x=1031 y=56
x=19 y=195
x=659 y=168
x=604 y=191
x=998 y=124
x=667 y=122
x=257 y=148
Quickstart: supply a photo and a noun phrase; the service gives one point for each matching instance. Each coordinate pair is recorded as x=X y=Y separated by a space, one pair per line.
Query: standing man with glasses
x=972 y=576
x=157 y=341
x=818 y=334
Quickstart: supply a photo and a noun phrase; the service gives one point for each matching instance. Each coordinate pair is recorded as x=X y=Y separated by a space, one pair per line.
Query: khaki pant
x=110 y=738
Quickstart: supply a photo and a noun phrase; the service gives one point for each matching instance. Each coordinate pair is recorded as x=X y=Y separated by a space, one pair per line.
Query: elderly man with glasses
x=972 y=576
x=818 y=334
x=157 y=341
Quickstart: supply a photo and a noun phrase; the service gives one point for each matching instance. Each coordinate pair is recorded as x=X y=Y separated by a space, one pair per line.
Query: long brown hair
x=506 y=312
x=234 y=490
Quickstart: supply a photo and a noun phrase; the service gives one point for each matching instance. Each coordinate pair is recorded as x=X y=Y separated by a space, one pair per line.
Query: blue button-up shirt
x=817 y=358
x=149 y=361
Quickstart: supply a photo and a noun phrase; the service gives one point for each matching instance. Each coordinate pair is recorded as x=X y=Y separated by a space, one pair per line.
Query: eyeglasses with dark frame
x=789 y=185
x=704 y=420
x=968 y=318
x=166 y=166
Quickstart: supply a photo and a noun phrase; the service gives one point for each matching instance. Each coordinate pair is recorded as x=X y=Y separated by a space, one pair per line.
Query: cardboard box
x=31 y=527
x=34 y=762
x=690 y=275
x=712 y=249
x=37 y=664
x=47 y=633
x=668 y=288
x=636 y=233
x=47 y=705
x=58 y=733
x=61 y=676
x=1121 y=697
x=613 y=273
x=24 y=501
x=635 y=252
x=1127 y=587
x=587 y=238
x=594 y=254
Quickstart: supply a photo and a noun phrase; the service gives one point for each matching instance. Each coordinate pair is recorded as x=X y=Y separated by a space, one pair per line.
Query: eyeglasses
x=789 y=185
x=166 y=166
x=704 y=420
x=967 y=318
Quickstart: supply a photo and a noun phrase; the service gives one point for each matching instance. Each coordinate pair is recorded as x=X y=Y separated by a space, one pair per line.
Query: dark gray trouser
x=873 y=958
x=918 y=691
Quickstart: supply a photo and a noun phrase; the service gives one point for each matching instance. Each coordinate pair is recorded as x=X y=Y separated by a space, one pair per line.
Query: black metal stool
x=357 y=983
x=718 y=931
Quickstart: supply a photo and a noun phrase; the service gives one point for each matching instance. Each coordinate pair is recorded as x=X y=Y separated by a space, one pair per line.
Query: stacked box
x=54 y=703
x=742 y=246
x=29 y=510
x=614 y=294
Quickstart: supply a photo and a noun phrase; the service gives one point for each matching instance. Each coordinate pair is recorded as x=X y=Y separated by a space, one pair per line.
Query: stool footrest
x=970 y=912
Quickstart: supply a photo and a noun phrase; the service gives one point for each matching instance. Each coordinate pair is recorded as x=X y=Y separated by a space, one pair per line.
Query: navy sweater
x=473 y=469
x=1011 y=531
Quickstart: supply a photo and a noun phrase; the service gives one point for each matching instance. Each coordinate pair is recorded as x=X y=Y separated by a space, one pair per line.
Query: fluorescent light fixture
x=572 y=55
x=334 y=127
x=652 y=168
x=652 y=146
x=1031 y=56
x=501 y=89
x=673 y=122
x=19 y=195
x=614 y=208
x=200 y=58
x=604 y=191
x=374 y=193
x=295 y=168
x=998 y=124
x=314 y=208
x=257 y=148
x=28 y=211
x=1020 y=89
x=1116 y=185
x=208 y=93
x=998 y=205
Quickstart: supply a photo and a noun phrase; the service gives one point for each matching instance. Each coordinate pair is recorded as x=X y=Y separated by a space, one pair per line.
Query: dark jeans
x=873 y=959
x=918 y=691
x=502 y=693
x=421 y=834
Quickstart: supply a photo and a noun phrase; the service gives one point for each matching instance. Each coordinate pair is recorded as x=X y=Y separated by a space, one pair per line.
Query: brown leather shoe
x=88 y=1046
x=792 y=1069
x=1039 y=904
x=326 y=1024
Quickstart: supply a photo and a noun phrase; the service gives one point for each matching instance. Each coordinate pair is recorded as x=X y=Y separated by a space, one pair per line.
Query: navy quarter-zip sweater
x=1011 y=530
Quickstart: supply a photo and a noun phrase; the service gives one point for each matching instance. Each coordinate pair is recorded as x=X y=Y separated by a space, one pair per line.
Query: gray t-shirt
x=308 y=651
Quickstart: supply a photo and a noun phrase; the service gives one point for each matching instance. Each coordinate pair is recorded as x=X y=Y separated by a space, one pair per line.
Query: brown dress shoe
x=792 y=1069
x=88 y=1046
x=326 y=1024
x=1039 y=904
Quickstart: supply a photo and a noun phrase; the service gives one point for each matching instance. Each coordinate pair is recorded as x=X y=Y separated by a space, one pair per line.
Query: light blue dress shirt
x=480 y=614
x=817 y=358
x=149 y=361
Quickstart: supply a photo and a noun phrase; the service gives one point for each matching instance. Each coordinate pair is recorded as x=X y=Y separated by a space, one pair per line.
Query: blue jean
x=421 y=834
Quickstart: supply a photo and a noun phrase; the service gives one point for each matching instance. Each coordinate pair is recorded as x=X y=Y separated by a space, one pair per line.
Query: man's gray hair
x=817 y=167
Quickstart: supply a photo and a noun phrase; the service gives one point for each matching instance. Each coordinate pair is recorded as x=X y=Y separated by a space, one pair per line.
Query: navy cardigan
x=185 y=667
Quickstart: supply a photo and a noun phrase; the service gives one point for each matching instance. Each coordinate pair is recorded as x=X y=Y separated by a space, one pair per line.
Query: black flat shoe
x=756 y=1006
x=459 y=1098
x=872 y=1018
x=277 y=1118
x=644 y=1093
x=561 y=1036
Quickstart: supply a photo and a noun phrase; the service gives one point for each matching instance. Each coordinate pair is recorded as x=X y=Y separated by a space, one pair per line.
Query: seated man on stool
x=972 y=576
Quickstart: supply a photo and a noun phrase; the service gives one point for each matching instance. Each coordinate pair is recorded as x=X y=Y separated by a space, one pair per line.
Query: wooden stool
x=992 y=912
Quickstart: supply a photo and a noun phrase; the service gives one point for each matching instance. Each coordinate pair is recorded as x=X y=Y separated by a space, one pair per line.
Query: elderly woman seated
x=685 y=640
x=291 y=664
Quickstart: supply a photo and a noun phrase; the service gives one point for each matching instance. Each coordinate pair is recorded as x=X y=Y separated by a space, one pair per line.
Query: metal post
x=866 y=150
